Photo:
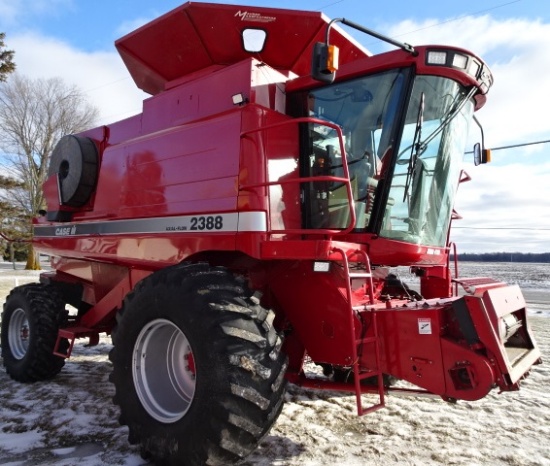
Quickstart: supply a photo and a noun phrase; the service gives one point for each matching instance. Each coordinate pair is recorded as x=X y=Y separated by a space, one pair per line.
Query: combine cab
x=250 y=216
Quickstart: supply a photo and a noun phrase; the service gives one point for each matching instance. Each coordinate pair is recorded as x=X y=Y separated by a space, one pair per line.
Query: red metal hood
x=195 y=36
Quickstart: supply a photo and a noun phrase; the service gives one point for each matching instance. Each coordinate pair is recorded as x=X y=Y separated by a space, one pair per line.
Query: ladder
x=358 y=344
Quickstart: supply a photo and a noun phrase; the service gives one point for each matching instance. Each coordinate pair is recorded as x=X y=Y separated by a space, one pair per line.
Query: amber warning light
x=324 y=63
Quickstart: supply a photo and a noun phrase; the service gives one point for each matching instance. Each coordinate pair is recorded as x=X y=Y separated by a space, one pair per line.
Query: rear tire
x=197 y=367
x=31 y=320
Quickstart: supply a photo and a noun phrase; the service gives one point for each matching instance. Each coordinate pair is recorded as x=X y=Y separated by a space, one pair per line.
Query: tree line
x=543 y=257
x=34 y=115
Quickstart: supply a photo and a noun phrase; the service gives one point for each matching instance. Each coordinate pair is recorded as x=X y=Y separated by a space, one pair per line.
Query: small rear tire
x=32 y=316
x=197 y=367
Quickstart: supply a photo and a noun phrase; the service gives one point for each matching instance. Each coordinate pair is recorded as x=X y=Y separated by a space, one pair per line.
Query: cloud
x=101 y=75
x=504 y=209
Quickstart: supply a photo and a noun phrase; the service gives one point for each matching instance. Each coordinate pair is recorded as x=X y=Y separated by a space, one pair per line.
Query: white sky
x=505 y=207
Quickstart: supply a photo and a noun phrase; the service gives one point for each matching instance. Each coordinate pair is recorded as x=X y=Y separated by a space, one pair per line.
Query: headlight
x=436 y=58
x=459 y=60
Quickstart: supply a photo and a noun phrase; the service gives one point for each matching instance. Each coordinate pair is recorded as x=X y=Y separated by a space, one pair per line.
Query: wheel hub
x=19 y=334
x=163 y=369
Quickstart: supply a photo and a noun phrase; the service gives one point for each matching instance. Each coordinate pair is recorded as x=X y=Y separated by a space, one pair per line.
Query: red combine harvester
x=249 y=218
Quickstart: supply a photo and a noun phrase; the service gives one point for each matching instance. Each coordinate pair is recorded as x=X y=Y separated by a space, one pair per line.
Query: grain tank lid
x=195 y=36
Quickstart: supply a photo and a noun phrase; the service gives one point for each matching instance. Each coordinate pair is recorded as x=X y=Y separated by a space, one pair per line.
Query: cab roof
x=195 y=36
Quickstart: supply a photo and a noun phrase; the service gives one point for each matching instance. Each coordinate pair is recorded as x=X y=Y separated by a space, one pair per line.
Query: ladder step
x=367 y=276
x=353 y=275
x=371 y=409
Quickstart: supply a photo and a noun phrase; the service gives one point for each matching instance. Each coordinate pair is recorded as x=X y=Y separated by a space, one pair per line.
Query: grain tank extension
x=251 y=217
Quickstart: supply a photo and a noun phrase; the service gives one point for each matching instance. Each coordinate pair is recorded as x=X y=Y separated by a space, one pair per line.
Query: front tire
x=197 y=367
x=32 y=316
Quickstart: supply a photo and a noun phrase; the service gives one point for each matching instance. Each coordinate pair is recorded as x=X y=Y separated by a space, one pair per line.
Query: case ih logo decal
x=254 y=17
x=65 y=231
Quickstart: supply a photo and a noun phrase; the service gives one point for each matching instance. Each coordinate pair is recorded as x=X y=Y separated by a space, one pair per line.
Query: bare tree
x=34 y=115
x=7 y=65
x=13 y=224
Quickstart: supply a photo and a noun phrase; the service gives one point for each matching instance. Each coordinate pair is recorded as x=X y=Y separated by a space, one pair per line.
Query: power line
x=512 y=146
x=502 y=228
x=520 y=145
x=329 y=4
x=460 y=17
x=108 y=84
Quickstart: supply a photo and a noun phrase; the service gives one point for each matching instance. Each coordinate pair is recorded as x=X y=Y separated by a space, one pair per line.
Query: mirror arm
x=481 y=130
x=485 y=155
x=325 y=57
x=407 y=47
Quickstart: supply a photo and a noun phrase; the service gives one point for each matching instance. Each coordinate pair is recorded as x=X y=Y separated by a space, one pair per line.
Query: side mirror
x=324 y=62
x=481 y=155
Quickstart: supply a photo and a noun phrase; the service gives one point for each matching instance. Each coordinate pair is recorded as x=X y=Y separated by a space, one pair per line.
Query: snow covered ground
x=71 y=421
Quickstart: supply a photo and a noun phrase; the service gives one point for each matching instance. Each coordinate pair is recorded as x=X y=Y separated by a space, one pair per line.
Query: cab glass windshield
x=425 y=178
x=366 y=110
x=404 y=156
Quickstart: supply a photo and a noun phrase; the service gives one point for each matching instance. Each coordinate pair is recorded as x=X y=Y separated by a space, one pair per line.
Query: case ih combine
x=250 y=217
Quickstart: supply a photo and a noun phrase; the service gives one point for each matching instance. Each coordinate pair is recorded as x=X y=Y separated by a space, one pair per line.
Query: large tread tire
x=237 y=364
x=32 y=316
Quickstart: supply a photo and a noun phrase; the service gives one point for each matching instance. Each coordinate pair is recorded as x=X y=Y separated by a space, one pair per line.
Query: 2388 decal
x=207 y=223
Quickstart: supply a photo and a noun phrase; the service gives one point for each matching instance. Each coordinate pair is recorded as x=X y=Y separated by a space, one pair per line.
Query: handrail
x=295 y=180
x=452 y=246
x=361 y=254
x=345 y=179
